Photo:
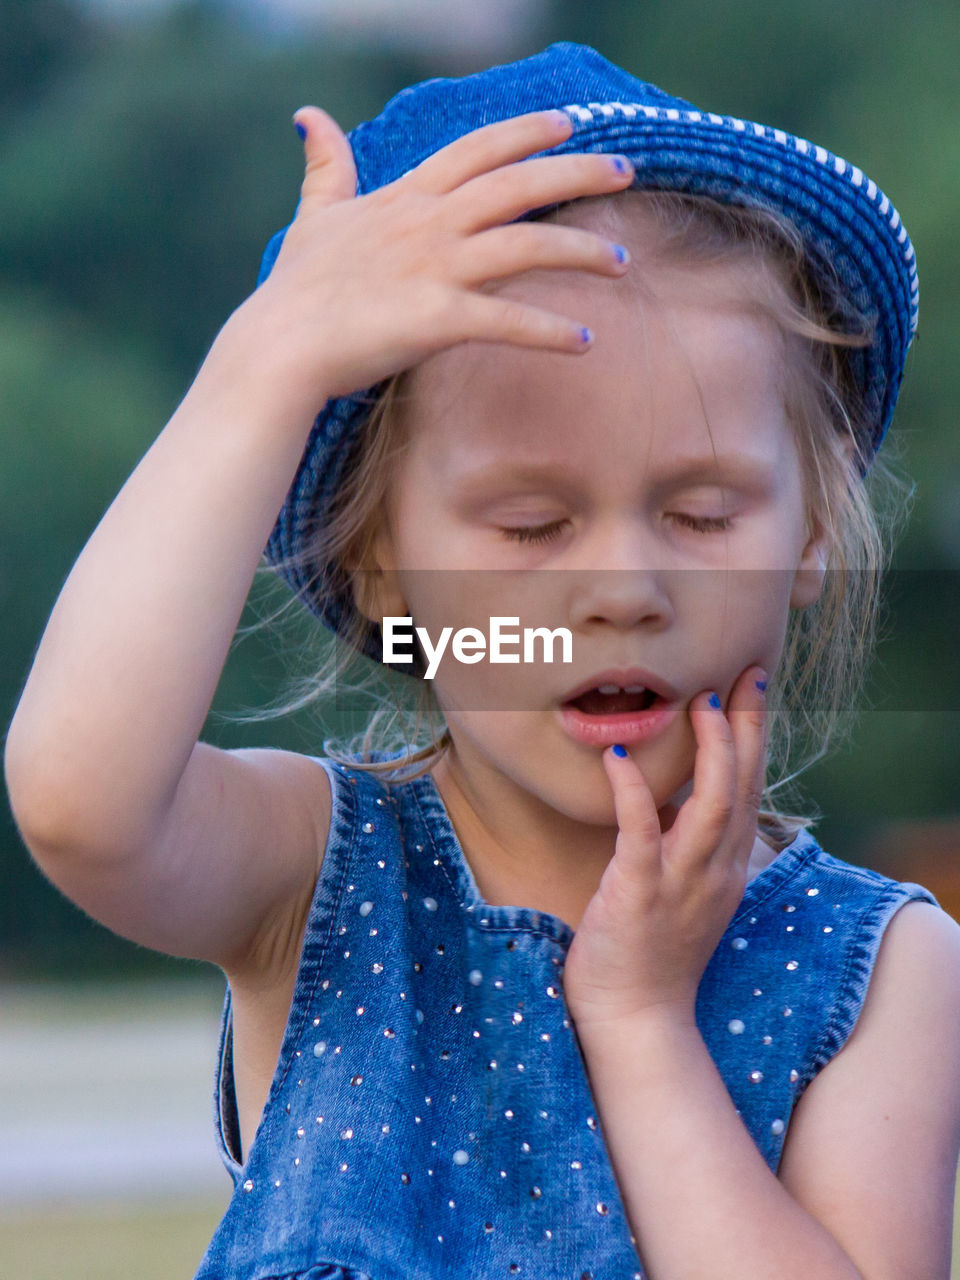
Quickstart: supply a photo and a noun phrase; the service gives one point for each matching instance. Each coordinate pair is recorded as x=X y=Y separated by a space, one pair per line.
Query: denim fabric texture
x=431 y=1116
x=851 y=230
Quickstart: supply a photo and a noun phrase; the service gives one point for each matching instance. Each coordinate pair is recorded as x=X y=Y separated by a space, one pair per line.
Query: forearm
x=132 y=653
x=700 y=1198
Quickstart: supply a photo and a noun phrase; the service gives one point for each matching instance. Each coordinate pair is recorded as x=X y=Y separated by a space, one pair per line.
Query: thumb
x=331 y=174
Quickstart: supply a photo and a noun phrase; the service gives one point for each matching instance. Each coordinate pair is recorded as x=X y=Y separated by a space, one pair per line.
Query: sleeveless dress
x=431 y=1118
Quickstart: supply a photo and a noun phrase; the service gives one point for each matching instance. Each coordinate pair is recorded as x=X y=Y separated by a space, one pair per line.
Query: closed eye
x=547 y=532
x=535 y=533
x=702 y=524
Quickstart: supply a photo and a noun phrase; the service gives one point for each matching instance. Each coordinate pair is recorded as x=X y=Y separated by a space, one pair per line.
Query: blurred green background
x=143 y=166
x=146 y=155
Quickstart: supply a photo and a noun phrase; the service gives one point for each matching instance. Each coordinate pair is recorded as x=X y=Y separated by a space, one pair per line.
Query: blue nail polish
x=618 y=750
x=585 y=335
x=301 y=129
x=761 y=685
x=714 y=701
x=620 y=253
x=620 y=164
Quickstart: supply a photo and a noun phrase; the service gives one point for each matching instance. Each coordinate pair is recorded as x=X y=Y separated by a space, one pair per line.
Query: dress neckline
x=490 y=916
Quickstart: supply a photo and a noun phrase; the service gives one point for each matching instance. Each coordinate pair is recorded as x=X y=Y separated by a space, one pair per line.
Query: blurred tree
x=40 y=39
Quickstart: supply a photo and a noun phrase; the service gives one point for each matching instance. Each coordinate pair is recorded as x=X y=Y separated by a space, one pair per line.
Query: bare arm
x=865 y=1186
x=160 y=836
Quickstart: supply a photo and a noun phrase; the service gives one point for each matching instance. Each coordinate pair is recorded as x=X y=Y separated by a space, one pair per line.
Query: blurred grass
x=145 y=1242
x=109 y=1242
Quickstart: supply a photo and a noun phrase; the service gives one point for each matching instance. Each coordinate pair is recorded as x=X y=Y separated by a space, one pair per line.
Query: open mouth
x=607 y=700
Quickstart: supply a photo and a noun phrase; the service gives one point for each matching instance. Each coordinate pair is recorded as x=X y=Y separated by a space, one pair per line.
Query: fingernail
x=560 y=117
x=761 y=685
x=301 y=129
x=620 y=253
x=621 y=164
x=618 y=750
x=586 y=335
x=714 y=701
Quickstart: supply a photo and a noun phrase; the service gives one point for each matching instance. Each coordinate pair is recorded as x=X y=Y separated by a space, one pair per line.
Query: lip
x=626 y=727
x=624 y=676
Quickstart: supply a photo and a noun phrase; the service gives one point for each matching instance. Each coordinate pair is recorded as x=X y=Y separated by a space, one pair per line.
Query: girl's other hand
x=667 y=897
x=365 y=286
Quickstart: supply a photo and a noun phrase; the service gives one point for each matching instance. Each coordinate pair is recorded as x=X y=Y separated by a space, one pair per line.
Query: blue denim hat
x=851 y=230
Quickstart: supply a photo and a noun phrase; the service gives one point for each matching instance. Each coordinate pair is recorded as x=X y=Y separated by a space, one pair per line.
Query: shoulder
x=872 y=1146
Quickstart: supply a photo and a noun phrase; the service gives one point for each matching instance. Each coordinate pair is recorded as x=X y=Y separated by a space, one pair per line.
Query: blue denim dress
x=431 y=1117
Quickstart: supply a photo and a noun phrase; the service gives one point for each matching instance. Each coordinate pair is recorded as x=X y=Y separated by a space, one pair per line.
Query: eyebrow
x=727 y=468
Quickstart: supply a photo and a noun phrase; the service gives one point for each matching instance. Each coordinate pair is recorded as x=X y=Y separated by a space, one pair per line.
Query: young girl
x=553 y=996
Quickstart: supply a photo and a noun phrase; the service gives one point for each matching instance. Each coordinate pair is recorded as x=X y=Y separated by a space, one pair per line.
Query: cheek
x=741 y=614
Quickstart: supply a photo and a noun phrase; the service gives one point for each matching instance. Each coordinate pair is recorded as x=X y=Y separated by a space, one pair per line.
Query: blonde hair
x=857 y=503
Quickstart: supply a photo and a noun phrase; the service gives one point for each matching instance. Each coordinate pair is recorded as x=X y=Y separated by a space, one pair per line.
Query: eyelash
x=547 y=532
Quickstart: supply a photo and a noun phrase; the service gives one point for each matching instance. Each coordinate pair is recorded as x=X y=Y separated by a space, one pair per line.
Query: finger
x=489 y=147
x=747 y=715
x=508 y=251
x=490 y=318
x=702 y=825
x=331 y=173
x=638 y=841
x=515 y=189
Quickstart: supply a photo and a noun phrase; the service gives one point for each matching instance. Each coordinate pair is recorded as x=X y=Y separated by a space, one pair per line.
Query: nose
x=624 y=585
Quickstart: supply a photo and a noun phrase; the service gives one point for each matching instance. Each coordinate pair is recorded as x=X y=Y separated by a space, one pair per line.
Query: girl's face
x=657 y=479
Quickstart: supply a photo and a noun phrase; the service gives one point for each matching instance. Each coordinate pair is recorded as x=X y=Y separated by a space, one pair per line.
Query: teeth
x=615 y=688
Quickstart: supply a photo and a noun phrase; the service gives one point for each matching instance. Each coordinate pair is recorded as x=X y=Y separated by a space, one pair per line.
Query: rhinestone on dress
x=756 y=1076
x=777 y=1126
x=792 y=964
x=368 y=827
x=738 y=944
x=735 y=1025
x=461 y=1157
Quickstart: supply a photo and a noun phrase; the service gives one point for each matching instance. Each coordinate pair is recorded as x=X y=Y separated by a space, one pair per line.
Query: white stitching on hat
x=821 y=154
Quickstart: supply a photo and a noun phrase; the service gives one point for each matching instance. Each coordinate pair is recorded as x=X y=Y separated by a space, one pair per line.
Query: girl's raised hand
x=365 y=286
x=666 y=898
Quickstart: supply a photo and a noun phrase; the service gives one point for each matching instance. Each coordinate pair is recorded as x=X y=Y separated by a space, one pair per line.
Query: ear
x=375 y=582
x=811 y=572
